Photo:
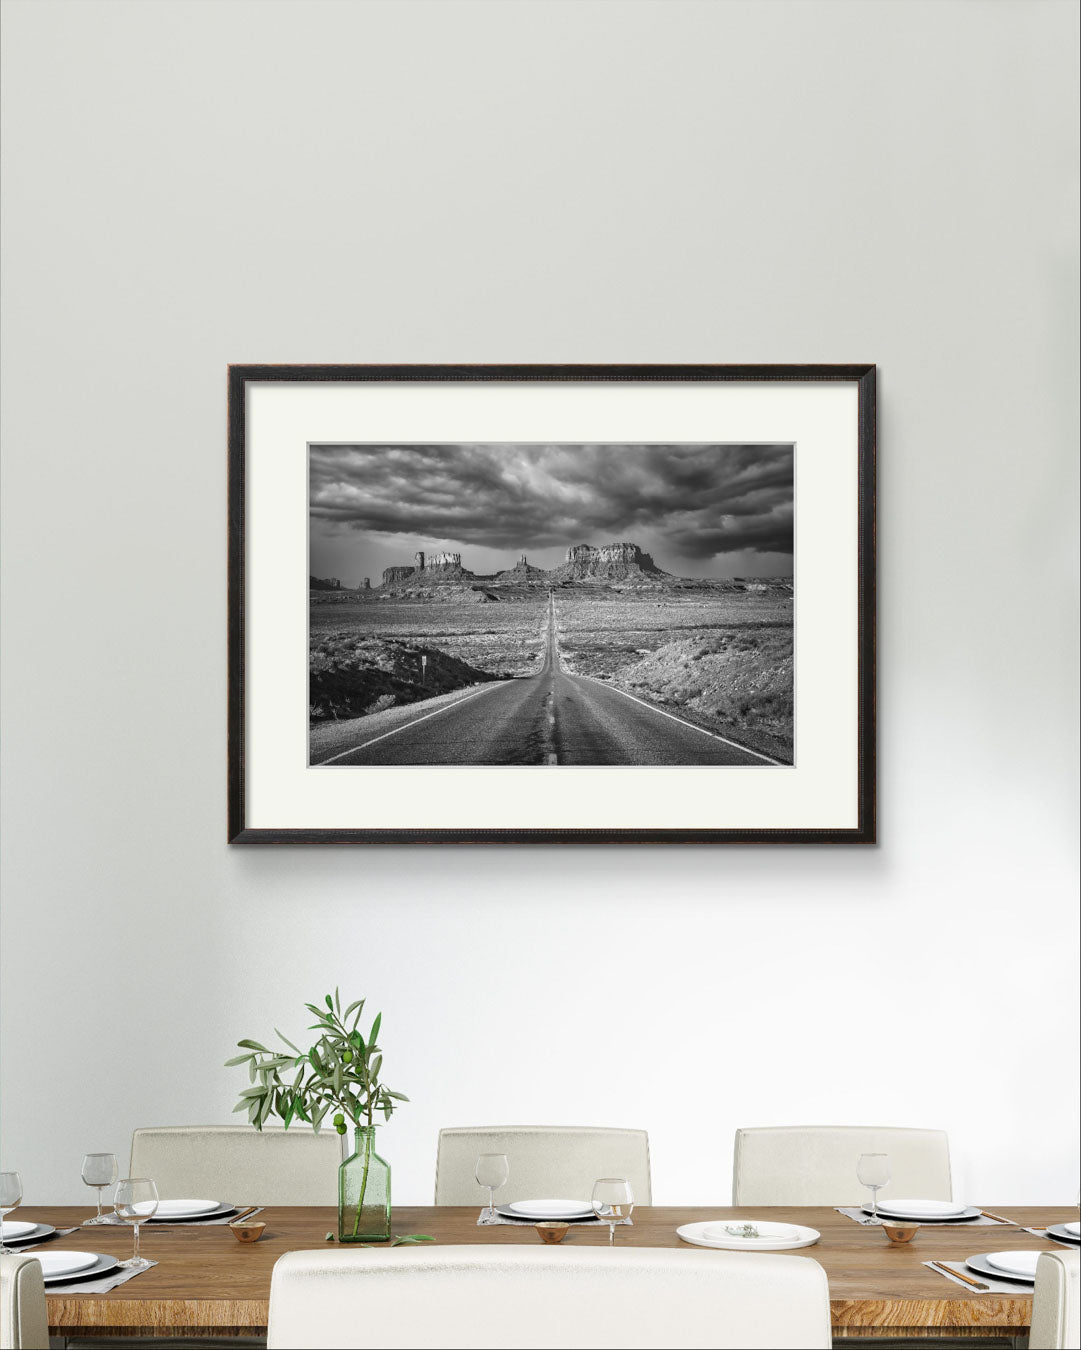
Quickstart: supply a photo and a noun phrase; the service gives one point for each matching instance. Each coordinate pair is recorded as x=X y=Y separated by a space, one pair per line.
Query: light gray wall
x=191 y=184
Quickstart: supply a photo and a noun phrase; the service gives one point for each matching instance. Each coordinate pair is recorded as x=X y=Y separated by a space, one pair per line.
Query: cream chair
x=522 y=1297
x=816 y=1164
x=238 y=1163
x=544 y=1160
x=1055 y=1321
x=23 y=1323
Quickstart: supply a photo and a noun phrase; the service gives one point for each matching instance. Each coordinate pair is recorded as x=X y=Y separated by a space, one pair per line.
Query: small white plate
x=13 y=1230
x=101 y=1265
x=784 y=1237
x=185 y=1209
x=1074 y=1228
x=922 y=1209
x=1015 y=1263
x=547 y=1209
x=55 y=1265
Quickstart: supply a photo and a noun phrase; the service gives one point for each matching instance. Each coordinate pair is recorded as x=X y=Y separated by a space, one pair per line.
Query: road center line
x=406 y=725
x=735 y=744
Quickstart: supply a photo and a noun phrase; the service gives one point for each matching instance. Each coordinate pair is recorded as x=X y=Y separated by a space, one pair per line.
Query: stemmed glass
x=492 y=1171
x=99 y=1170
x=613 y=1201
x=136 y=1201
x=873 y=1171
x=11 y=1197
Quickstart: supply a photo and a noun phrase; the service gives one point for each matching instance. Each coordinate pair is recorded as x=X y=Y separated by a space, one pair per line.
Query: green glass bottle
x=364 y=1192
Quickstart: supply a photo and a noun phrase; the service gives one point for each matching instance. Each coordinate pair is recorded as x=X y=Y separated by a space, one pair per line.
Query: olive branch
x=341 y=1070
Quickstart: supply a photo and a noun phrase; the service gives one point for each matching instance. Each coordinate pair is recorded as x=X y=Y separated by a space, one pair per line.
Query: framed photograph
x=551 y=604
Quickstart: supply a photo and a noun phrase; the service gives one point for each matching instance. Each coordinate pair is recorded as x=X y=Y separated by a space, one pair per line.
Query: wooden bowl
x=900 y=1232
x=552 y=1232
x=247 y=1232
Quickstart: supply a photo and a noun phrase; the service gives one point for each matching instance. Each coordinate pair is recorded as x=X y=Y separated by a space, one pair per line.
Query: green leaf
x=398 y=1096
x=240 y=1106
x=237 y=1059
x=252 y=1091
x=288 y=1042
x=337 y=1000
x=374 y=1033
x=253 y=1045
x=353 y=1007
x=329 y=1237
x=329 y=1002
x=411 y=1239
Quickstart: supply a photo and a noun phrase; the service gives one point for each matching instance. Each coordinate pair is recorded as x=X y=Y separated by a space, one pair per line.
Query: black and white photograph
x=548 y=605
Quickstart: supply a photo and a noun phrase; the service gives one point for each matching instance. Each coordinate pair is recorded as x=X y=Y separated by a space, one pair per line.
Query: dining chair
x=816 y=1164
x=23 y=1321
x=1055 y=1320
x=522 y=1297
x=273 y=1166
x=544 y=1160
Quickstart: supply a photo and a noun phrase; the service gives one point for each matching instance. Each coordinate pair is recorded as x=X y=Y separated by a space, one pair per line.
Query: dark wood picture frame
x=863 y=376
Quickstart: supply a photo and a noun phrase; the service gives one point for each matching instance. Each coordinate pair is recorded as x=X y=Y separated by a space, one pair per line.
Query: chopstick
x=244 y=1214
x=958 y=1276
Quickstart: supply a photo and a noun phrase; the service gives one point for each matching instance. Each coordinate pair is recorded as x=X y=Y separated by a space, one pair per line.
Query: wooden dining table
x=206 y=1283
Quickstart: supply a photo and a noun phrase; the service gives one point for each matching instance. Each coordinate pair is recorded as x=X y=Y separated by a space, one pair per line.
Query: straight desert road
x=553 y=718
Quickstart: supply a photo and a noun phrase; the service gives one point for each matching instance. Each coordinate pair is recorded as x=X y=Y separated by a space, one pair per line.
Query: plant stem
x=363 y=1179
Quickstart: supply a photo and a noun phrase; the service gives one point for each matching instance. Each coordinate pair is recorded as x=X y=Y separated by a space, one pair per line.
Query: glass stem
x=98 y=1192
x=874 y=1202
x=135 y=1249
x=491 y=1202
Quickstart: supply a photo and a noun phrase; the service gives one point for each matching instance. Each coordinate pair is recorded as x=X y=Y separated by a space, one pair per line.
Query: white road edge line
x=735 y=744
x=406 y=725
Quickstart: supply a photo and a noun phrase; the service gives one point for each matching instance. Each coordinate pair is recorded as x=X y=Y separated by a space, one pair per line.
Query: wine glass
x=613 y=1201
x=136 y=1201
x=99 y=1170
x=873 y=1171
x=11 y=1197
x=492 y=1171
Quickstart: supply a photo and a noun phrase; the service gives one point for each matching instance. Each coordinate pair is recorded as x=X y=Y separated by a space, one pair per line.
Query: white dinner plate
x=102 y=1265
x=1061 y=1231
x=13 y=1230
x=983 y=1267
x=38 y=1232
x=1073 y=1228
x=923 y=1209
x=783 y=1237
x=57 y=1265
x=539 y=1210
x=1017 y=1265
x=892 y=1212
x=215 y=1213
x=185 y=1209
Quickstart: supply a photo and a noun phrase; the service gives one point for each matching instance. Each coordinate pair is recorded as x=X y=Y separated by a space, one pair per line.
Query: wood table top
x=208 y=1280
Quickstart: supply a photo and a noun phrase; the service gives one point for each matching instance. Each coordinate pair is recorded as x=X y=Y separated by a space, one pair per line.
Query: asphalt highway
x=551 y=717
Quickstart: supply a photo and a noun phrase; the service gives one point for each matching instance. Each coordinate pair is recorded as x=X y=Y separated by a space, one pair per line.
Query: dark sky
x=701 y=510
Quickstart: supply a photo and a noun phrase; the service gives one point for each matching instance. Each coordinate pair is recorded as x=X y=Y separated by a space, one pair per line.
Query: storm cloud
x=693 y=502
